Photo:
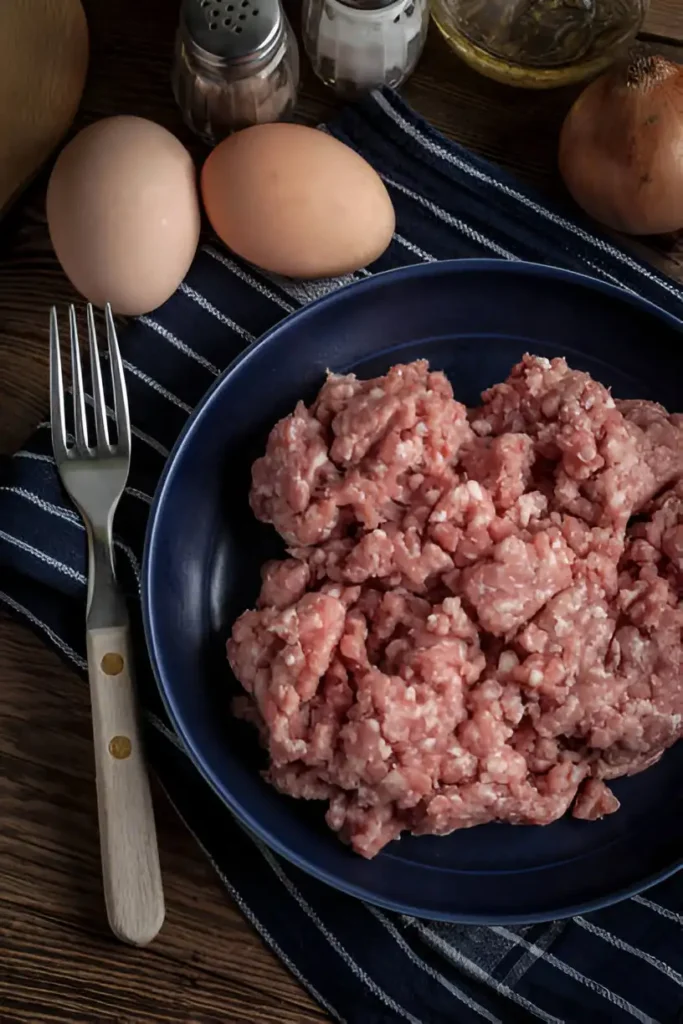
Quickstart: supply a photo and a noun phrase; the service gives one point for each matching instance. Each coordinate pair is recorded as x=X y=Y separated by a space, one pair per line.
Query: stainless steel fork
x=94 y=474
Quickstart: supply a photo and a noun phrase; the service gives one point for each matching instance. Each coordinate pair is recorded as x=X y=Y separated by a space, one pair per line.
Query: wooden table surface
x=58 y=961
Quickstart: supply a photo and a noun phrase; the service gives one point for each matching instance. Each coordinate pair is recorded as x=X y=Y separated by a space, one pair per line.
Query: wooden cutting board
x=43 y=63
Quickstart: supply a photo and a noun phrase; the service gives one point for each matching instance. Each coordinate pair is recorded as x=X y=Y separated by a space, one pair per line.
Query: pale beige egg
x=296 y=201
x=123 y=213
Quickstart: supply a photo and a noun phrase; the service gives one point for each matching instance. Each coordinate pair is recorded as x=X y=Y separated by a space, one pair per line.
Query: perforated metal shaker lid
x=242 y=34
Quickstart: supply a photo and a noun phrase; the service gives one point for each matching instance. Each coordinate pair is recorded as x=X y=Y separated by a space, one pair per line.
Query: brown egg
x=295 y=201
x=123 y=213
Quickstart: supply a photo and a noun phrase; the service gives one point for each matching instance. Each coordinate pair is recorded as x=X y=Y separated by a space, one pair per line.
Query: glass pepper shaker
x=539 y=44
x=236 y=64
x=356 y=45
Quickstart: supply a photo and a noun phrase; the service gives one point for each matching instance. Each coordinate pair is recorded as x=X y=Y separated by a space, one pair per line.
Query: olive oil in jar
x=539 y=44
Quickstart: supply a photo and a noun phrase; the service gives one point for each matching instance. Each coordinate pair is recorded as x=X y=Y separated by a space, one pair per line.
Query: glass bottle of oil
x=539 y=44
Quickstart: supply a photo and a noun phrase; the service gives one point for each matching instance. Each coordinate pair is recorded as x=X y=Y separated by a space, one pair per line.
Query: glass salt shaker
x=356 y=45
x=236 y=64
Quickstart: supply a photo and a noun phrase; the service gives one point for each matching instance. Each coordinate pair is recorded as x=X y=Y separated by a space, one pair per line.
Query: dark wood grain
x=58 y=961
x=664 y=21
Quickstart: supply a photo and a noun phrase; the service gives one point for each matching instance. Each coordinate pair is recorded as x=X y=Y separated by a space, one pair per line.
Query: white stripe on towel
x=424 y=966
x=458 y=958
x=180 y=345
x=415 y=249
x=73 y=519
x=331 y=938
x=475 y=172
x=50 y=633
x=156 y=386
x=595 y=986
x=454 y=222
x=294 y=892
x=658 y=909
x=210 y=308
x=42 y=557
x=157 y=446
x=626 y=947
x=134 y=492
x=46 y=506
x=248 y=279
x=304 y=292
x=528 y=959
x=251 y=916
x=165 y=731
x=38 y=456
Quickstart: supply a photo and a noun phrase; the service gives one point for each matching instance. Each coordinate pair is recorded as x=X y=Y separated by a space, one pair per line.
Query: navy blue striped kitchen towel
x=363 y=966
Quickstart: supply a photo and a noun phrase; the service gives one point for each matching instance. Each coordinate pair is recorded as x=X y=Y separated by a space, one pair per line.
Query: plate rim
x=242 y=815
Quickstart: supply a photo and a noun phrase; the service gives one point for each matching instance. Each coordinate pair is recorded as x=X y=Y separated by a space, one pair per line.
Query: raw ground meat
x=479 y=618
x=352 y=459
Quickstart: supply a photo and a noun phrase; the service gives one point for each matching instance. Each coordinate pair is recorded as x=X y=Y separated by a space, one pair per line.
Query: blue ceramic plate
x=473 y=319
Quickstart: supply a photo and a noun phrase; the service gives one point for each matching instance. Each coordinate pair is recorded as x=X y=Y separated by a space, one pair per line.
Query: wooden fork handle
x=130 y=856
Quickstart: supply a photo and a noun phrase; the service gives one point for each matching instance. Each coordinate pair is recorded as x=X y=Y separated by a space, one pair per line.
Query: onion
x=621 y=147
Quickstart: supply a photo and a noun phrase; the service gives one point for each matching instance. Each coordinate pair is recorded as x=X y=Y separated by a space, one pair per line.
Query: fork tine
x=119 y=385
x=80 y=421
x=57 y=419
x=97 y=388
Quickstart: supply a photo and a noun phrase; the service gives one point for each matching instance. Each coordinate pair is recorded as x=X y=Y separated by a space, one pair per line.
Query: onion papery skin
x=621 y=148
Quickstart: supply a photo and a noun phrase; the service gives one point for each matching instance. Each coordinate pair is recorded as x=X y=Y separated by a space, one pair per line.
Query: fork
x=94 y=476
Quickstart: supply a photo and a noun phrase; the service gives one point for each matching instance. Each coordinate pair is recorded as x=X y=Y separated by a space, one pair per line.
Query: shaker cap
x=232 y=32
